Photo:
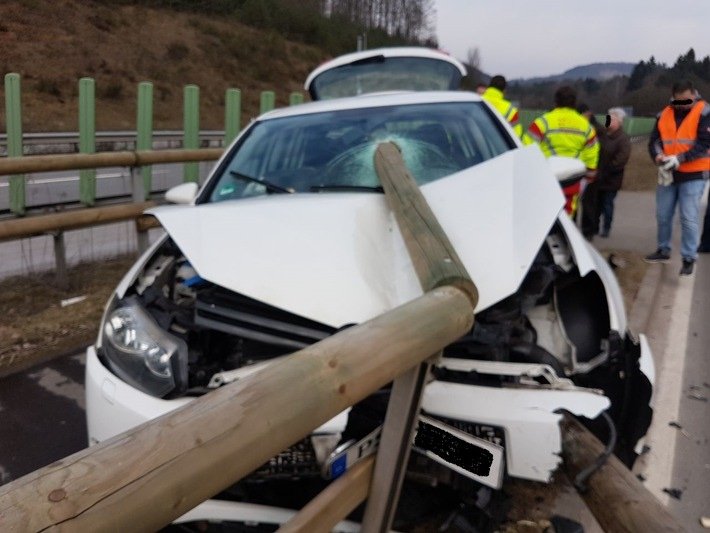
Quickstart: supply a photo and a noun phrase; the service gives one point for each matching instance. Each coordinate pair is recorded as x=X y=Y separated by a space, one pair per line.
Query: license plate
x=473 y=457
x=470 y=456
x=346 y=455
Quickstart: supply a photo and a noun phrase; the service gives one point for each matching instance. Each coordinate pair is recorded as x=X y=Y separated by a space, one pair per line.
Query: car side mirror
x=567 y=170
x=184 y=193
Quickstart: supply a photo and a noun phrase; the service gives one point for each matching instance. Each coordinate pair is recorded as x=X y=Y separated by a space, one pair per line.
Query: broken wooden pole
x=437 y=264
x=146 y=477
x=617 y=499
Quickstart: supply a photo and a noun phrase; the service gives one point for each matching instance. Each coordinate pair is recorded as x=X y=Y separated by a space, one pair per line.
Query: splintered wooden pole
x=437 y=264
x=616 y=498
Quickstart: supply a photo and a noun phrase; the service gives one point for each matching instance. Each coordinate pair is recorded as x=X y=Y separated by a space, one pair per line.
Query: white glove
x=670 y=162
x=665 y=177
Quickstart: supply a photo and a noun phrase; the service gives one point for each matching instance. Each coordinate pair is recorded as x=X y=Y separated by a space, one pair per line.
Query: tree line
x=332 y=25
x=646 y=90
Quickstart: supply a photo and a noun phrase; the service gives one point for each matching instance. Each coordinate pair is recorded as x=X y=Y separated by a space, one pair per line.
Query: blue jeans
x=606 y=209
x=687 y=195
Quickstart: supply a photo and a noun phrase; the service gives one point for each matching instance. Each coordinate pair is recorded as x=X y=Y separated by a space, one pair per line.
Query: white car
x=290 y=239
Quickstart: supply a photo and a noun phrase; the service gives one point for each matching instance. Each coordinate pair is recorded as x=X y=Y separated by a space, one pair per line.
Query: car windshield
x=335 y=150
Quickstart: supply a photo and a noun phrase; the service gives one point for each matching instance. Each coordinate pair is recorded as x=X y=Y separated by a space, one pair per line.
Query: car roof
x=401 y=51
x=373 y=100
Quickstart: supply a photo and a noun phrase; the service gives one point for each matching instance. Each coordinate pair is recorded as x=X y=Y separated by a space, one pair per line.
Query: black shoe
x=659 y=256
x=687 y=268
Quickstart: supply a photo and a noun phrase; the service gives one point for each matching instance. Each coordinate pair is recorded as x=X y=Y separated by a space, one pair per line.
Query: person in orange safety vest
x=680 y=146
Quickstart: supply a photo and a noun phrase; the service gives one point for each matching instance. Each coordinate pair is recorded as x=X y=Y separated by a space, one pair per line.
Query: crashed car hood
x=339 y=258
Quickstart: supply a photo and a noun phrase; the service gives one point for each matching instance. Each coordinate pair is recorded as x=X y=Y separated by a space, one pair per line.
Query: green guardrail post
x=295 y=98
x=144 y=128
x=191 y=121
x=232 y=114
x=268 y=101
x=87 y=138
x=13 y=112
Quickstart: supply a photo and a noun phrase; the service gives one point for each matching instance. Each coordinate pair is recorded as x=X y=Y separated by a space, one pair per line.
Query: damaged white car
x=290 y=239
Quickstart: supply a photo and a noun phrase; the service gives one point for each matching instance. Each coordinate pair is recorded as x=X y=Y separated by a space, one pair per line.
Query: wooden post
x=48 y=163
x=618 y=500
x=436 y=264
x=18 y=228
x=336 y=501
x=143 y=479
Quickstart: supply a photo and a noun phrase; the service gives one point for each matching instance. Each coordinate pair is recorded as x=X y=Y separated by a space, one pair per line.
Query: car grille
x=233 y=313
x=298 y=461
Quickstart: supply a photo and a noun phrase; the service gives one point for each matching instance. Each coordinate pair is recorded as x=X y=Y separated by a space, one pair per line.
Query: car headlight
x=142 y=353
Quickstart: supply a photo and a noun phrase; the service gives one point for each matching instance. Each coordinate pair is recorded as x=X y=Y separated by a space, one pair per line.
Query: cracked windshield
x=331 y=151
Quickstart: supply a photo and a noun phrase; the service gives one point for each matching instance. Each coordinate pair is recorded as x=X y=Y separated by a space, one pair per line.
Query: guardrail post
x=268 y=101
x=87 y=139
x=60 y=260
x=295 y=98
x=232 y=115
x=191 y=122
x=144 y=139
x=13 y=114
x=436 y=263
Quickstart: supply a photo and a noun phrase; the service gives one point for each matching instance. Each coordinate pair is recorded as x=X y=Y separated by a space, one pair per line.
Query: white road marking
x=57 y=383
x=658 y=464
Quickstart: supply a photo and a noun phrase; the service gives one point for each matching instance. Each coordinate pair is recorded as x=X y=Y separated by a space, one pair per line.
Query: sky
x=524 y=39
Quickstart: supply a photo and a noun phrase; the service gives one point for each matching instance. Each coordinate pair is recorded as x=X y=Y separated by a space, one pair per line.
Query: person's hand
x=670 y=162
x=660 y=158
x=590 y=176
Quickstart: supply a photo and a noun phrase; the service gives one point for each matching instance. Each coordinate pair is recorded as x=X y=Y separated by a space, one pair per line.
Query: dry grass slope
x=54 y=44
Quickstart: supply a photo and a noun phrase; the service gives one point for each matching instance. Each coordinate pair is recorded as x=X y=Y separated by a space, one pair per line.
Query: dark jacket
x=701 y=146
x=613 y=156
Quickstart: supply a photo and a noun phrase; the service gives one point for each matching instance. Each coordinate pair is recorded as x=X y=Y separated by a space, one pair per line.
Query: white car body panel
x=221 y=510
x=344 y=247
x=347 y=59
x=112 y=406
x=528 y=416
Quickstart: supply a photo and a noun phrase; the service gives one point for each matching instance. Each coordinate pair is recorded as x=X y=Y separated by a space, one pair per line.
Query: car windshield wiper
x=270 y=187
x=365 y=188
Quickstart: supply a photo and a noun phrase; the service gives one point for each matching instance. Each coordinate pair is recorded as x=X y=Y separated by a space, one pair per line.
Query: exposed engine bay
x=553 y=333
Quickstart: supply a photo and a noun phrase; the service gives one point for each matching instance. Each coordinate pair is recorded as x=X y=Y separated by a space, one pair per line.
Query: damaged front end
x=492 y=407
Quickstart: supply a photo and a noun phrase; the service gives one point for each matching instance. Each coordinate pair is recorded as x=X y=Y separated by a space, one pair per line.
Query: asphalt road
x=691 y=468
x=41 y=416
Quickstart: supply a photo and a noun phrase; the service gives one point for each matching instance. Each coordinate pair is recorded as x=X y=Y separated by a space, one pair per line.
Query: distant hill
x=595 y=71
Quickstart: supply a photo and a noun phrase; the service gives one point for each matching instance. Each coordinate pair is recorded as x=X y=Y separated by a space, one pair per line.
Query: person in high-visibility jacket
x=563 y=131
x=680 y=146
x=494 y=95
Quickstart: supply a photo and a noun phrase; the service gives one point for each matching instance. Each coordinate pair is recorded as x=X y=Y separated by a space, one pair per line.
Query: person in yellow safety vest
x=563 y=131
x=494 y=96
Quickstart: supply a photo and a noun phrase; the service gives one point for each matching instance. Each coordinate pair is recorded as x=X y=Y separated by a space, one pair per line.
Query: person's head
x=565 y=96
x=683 y=94
x=583 y=109
x=616 y=119
x=481 y=88
x=498 y=82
